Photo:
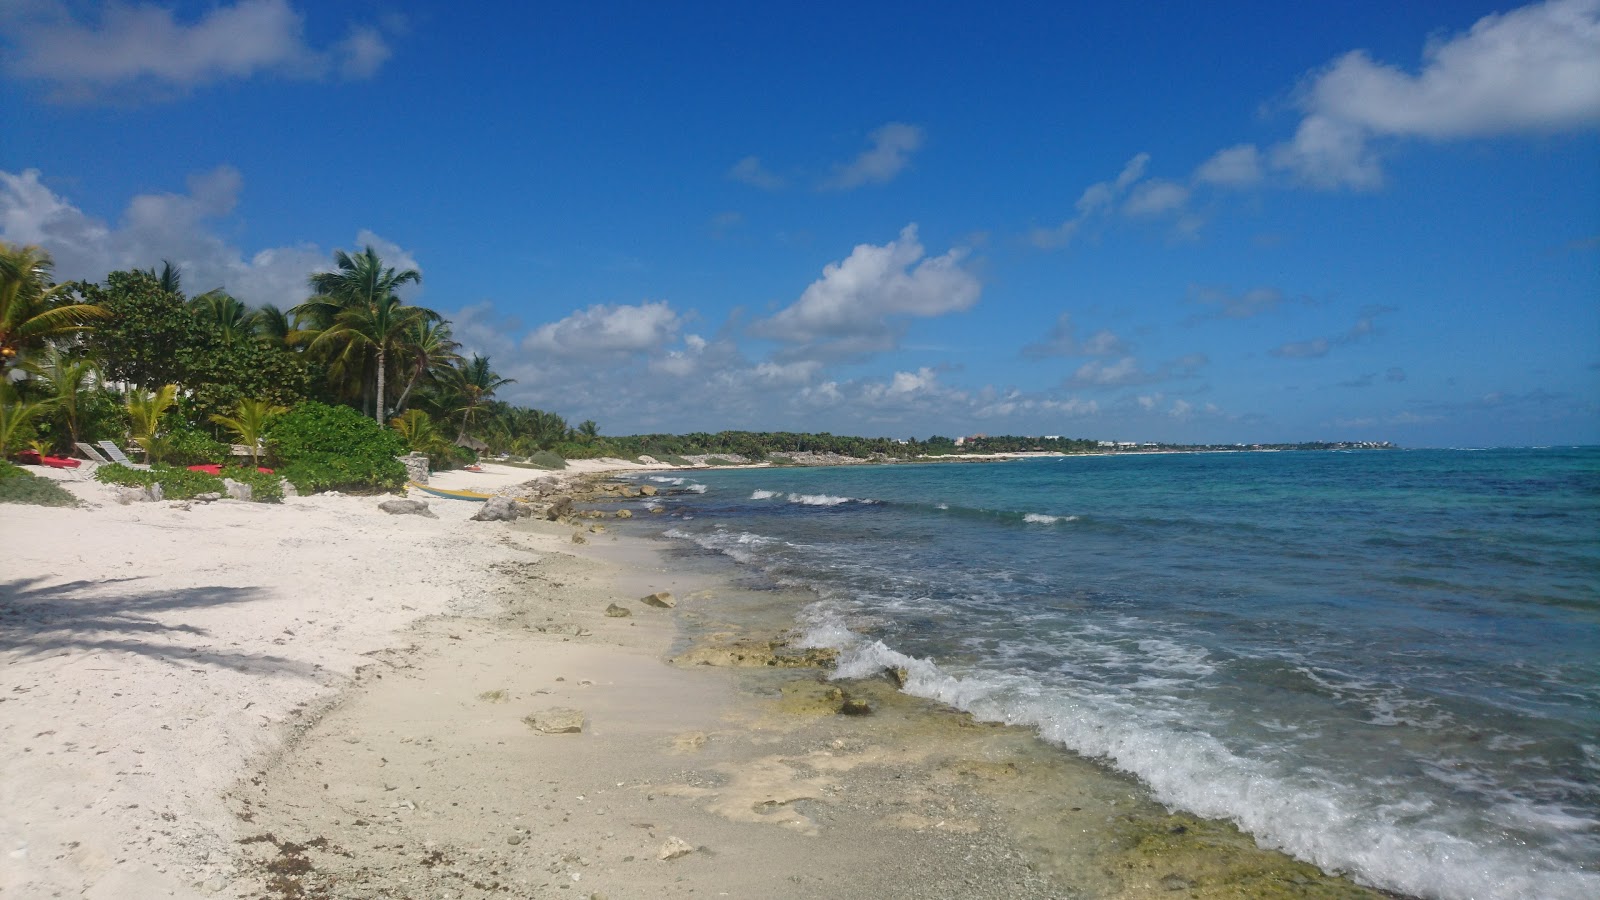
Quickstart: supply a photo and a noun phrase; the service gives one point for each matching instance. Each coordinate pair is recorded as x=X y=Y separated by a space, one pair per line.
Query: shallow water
x=1386 y=663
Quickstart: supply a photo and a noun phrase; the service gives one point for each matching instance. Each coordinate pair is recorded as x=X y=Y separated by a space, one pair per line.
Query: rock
x=854 y=707
x=755 y=653
x=556 y=720
x=578 y=538
x=289 y=490
x=126 y=495
x=597 y=529
x=407 y=508
x=618 y=612
x=660 y=599
x=567 y=628
x=181 y=504
x=237 y=490
x=898 y=675
x=514 y=839
x=560 y=508
x=648 y=460
x=647 y=490
x=498 y=509
x=674 y=848
x=1176 y=883
x=416 y=466
x=658 y=510
x=207 y=497
x=630 y=490
x=624 y=514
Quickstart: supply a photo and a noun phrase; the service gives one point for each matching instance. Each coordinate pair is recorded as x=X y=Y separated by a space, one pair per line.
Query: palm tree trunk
x=381 y=366
x=400 y=405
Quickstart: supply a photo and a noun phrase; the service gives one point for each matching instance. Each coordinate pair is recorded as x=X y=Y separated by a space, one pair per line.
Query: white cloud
x=1238 y=166
x=1531 y=70
x=1100 y=373
x=1096 y=199
x=860 y=303
x=145 y=50
x=890 y=152
x=607 y=329
x=750 y=171
x=1156 y=197
x=1063 y=341
x=168 y=226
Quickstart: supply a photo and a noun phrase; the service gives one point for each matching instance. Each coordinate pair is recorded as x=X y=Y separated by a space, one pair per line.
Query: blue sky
x=1178 y=222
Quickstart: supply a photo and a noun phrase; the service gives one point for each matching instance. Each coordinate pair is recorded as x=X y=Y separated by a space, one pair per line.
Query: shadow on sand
x=43 y=619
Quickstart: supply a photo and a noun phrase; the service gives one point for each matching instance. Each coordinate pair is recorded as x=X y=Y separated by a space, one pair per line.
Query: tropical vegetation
x=326 y=393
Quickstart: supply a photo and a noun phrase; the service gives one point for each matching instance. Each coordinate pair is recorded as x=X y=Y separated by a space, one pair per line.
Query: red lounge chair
x=58 y=462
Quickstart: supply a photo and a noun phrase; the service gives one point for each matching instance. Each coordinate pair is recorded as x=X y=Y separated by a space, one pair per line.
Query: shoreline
x=772 y=789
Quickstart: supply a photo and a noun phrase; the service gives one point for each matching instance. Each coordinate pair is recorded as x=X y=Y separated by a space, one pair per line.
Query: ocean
x=1386 y=663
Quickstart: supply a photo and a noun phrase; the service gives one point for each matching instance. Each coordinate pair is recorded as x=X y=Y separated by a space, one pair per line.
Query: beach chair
x=116 y=454
x=91 y=454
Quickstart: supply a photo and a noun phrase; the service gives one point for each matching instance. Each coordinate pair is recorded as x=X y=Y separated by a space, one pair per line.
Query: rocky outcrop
x=502 y=509
x=756 y=653
x=407 y=508
x=237 y=490
x=674 y=848
x=660 y=599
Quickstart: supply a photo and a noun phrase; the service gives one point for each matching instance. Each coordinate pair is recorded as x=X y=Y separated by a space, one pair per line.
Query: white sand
x=149 y=652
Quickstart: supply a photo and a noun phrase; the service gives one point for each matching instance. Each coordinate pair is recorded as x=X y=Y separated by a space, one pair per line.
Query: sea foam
x=1378 y=839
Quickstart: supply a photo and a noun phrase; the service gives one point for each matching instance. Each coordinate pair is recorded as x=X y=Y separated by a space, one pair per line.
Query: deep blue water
x=1387 y=663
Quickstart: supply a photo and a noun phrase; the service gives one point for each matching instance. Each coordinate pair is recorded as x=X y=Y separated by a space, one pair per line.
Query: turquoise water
x=1386 y=663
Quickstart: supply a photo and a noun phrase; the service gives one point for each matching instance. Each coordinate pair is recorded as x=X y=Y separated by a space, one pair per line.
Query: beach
x=320 y=699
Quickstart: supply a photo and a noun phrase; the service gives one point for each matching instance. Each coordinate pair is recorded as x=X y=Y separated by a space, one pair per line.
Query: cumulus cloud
x=168 y=226
x=607 y=329
x=889 y=152
x=750 y=171
x=1063 y=341
x=146 y=51
x=1531 y=70
x=860 y=304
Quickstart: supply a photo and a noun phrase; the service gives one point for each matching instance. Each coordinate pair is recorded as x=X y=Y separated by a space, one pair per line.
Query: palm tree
x=474 y=384
x=273 y=325
x=15 y=413
x=145 y=409
x=67 y=377
x=588 y=431
x=170 y=278
x=427 y=348
x=30 y=310
x=355 y=313
x=232 y=320
x=249 y=424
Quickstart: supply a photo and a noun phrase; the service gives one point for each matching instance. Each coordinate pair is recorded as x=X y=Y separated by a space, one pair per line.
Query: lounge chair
x=91 y=454
x=116 y=454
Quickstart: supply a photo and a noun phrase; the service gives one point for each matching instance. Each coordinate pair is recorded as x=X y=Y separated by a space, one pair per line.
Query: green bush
x=545 y=459
x=117 y=473
x=17 y=486
x=719 y=461
x=672 y=460
x=191 y=447
x=320 y=447
x=264 y=488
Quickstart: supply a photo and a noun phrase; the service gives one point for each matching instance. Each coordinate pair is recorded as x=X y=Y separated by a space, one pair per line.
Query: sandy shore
x=317 y=699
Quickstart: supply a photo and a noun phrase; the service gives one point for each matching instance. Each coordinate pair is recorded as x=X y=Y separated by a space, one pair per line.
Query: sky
x=1179 y=222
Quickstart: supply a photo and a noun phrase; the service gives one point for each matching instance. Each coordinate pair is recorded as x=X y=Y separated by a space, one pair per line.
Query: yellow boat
x=474 y=496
